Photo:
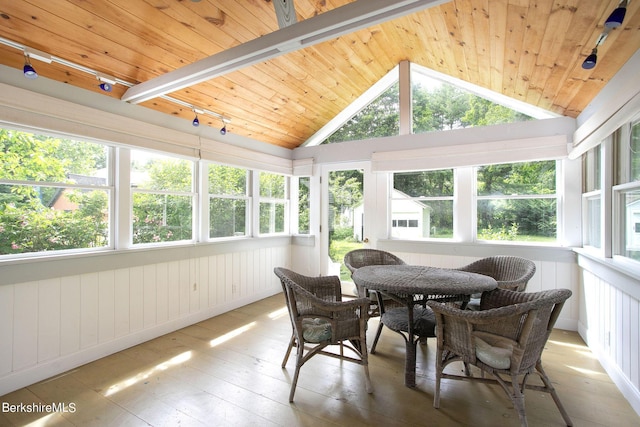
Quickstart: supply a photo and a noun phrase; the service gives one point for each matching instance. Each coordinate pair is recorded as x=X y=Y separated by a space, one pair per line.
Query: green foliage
x=272 y=213
x=227 y=213
x=339 y=245
x=445 y=107
x=304 y=206
x=28 y=223
x=161 y=218
x=503 y=233
x=376 y=120
x=34 y=228
x=517 y=178
x=345 y=192
x=227 y=180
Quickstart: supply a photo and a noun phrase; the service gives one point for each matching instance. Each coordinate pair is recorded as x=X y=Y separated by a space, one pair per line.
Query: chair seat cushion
x=316 y=330
x=424 y=321
x=493 y=350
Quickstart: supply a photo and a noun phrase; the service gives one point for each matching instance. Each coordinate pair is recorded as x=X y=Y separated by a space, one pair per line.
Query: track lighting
x=106 y=82
x=223 y=129
x=28 y=70
x=617 y=16
x=591 y=60
x=195 y=121
x=613 y=21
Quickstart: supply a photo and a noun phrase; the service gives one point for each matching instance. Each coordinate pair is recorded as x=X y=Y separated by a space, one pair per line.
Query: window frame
x=420 y=199
x=624 y=184
x=109 y=188
x=246 y=197
x=555 y=196
x=193 y=195
x=260 y=199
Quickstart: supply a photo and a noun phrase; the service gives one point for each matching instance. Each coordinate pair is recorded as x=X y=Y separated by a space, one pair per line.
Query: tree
x=227 y=205
x=163 y=215
x=444 y=107
x=376 y=120
x=28 y=223
x=519 y=215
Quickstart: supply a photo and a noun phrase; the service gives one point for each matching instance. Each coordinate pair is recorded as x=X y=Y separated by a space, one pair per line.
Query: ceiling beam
x=326 y=26
x=286 y=12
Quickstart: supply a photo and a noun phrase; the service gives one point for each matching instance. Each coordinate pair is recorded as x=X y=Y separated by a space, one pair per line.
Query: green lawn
x=338 y=250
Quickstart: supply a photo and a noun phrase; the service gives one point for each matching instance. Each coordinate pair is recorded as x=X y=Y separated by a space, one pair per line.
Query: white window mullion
x=202 y=203
x=464 y=204
x=124 y=200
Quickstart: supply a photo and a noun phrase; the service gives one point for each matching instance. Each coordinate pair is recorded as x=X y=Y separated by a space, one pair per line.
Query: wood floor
x=226 y=371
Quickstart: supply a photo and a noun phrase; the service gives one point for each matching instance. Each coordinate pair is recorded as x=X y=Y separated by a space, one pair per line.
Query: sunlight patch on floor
x=42 y=421
x=141 y=376
x=589 y=372
x=229 y=335
x=567 y=344
x=274 y=315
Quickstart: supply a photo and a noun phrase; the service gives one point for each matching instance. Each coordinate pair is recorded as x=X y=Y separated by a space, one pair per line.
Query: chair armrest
x=328 y=306
x=478 y=317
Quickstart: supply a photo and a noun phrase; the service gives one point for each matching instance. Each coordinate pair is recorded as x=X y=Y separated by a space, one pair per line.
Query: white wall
x=610 y=321
x=54 y=322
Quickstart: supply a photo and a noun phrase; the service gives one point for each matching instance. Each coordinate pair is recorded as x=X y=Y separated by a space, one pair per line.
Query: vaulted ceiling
x=531 y=51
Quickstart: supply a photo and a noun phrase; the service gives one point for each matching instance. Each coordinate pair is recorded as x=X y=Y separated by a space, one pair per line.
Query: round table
x=406 y=281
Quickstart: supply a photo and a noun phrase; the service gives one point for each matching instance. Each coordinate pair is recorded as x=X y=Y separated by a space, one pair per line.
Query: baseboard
x=628 y=390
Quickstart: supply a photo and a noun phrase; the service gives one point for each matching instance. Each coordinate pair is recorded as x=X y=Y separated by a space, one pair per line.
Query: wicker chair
x=378 y=304
x=505 y=339
x=320 y=319
x=511 y=272
x=363 y=257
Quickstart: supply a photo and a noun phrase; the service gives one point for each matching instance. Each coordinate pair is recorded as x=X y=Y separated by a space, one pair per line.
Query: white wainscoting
x=53 y=324
x=610 y=322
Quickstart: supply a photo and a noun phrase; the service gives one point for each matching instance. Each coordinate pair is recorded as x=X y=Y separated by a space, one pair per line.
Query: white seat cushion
x=493 y=350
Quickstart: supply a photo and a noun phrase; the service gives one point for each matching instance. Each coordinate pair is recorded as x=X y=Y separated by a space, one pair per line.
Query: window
x=55 y=193
x=273 y=203
x=376 y=120
x=627 y=193
x=517 y=202
x=304 y=206
x=228 y=201
x=591 y=197
x=422 y=204
x=162 y=191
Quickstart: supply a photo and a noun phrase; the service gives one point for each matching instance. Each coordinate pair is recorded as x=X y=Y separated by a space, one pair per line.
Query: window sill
x=621 y=265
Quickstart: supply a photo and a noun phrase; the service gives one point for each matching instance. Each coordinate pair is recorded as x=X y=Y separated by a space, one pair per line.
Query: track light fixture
x=106 y=82
x=195 y=121
x=28 y=70
x=613 y=21
x=223 y=129
x=591 y=60
x=617 y=16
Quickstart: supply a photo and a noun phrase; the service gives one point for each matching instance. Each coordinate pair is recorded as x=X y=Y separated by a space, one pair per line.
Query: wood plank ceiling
x=528 y=50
